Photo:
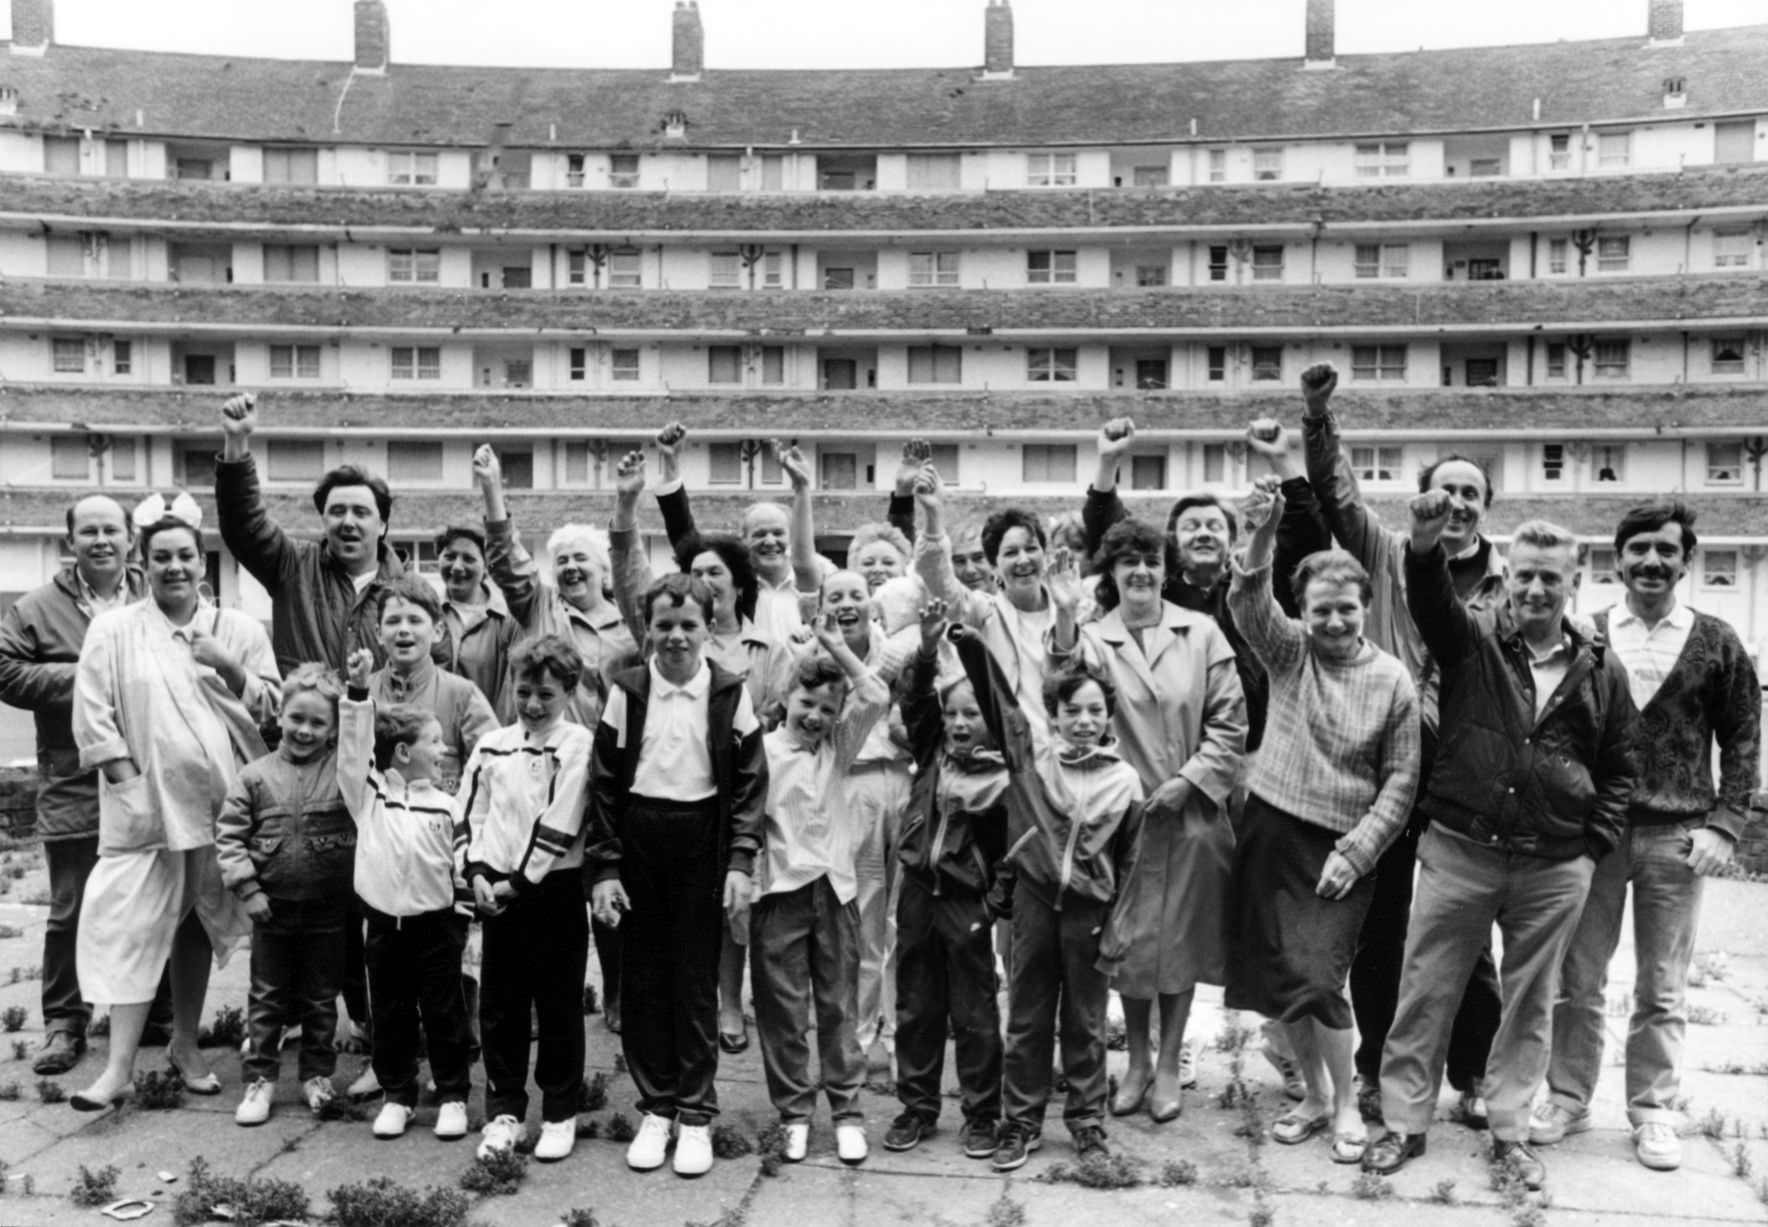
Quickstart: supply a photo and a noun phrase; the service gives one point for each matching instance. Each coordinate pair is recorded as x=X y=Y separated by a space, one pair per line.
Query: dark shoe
x=1392 y=1151
x=1470 y=1110
x=907 y=1131
x=1369 y=1100
x=981 y=1138
x=61 y=1051
x=1090 y=1140
x=734 y=1044
x=1517 y=1159
x=1016 y=1144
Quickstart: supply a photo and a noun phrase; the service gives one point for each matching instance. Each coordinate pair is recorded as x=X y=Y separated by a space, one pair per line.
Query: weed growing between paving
x=1177 y=1173
x=620 y=1128
x=1097 y=1171
x=1740 y=1161
x=10 y=1091
x=579 y=1217
x=20 y=1049
x=14 y=1017
x=1443 y=1192
x=730 y=1142
x=159 y=1090
x=595 y=1094
x=95 y=1188
x=382 y=1203
x=340 y=1107
x=1006 y=1212
x=772 y=1147
x=1370 y=1187
x=500 y=1173
x=248 y=1202
x=49 y=1091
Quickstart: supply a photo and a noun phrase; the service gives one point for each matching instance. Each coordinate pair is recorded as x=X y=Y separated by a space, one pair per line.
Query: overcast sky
x=847 y=33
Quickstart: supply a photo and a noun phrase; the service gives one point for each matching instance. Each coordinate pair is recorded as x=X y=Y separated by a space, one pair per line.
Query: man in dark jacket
x=1529 y=790
x=40 y=641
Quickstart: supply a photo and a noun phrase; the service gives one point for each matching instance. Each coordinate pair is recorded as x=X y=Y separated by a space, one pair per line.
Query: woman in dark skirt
x=1330 y=790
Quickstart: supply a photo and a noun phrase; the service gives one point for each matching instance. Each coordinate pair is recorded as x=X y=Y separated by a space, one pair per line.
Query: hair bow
x=154 y=508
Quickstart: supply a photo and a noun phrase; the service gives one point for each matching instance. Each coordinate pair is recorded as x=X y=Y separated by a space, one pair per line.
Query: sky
x=847 y=33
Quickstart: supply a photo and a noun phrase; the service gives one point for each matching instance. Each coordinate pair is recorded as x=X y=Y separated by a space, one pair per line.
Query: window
x=70 y=458
x=415 y=462
x=1378 y=362
x=1485 y=168
x=294 y=362
x=1048 y=462
x=573 y=171
x=773 y=173
x=1613 y=359
x=1150 y=176
x=623 y=170
x=1732 y=248
x=122 y=459
x=1614 y=150
x=1051 y=170
x=1602 y=564
x=419 y=362
x=193 y=168
x=1217 y=358
x=1147 y=472
x=1556 y=359
x=1267 y=362
x=773 y=271
x=1376 y=463
x=116 y=162
x=936 y=364
x=1724 y=464
x=726 y=461
x=1150 y=276
x=296 y=459
x=1150 y=374
x=285 y=263
x=68 y=355
x=518 y=467
x=623 y=366
x=726 y=270
x=1050 y=267
x=576 y=464
x=1727 y=355
x=930 y=268
x=1267 y=263
x=577 y=267
x=1267 y=164
x=1608 y=462
x=578 y=358
x=1218 y=165
x=299 y=166
x=414 y=265
x=122 y=357
x=724 y=364
x=61 y=155
x=773 y=366
x=1215 y=463
x=623 y=269
x=933 y=172
x=1556 y=253
x=516 y=277
x=724 y=172
x=1552 y=461
x=1719 y=568
x=1383 y=259
x=1614 y=253
x=1218 y=263
x=409 y=167
x=1559 y=151
x=1383 y=160
x=1052 y=365
x=945 y=462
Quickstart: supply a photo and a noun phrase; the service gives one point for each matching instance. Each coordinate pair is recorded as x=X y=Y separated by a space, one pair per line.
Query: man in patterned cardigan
x=1693 y=683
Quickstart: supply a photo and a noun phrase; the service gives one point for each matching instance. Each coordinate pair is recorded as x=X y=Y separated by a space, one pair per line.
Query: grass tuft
x=500 y=1174
x=95 y=1188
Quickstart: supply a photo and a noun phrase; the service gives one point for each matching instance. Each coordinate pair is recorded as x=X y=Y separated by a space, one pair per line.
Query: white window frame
x=932 y=358
x=294 y=362
x=63 y=450
x=934 y=172
x=1558 y=255
x=122 y=357
x=403 y=452
x=1263 y=269
x=1052 y=266
x=1218 y=165
x=414 y=266
x=1724 y=464
x=932 y=269
x=1719 y=568
x=1559 y=151
x=1553 y=462
x=289 y=255
x=1049 y=463
x=1382 y=159
x=412 y=167
x=415 y=362
x=626 y=270
x=1052 y=364
x=1264 y=370
x=1383 y=260
x=724 y=463
x=1613 y=458
x=1612 y=359
x=724 y=270
x=67 y=355
x=1602 y=565
x=1614 y=150
x=1052 y=169
x=719 y=353
x=1614 y=253
x=1733 y=248
x=1379 y=363
x=1375 y=463
x=1555 y=360
x=1729 y=366
x=623 y=171
x=1267 y=164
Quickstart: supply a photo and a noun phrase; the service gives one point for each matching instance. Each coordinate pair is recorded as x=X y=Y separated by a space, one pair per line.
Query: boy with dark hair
x=408 y=613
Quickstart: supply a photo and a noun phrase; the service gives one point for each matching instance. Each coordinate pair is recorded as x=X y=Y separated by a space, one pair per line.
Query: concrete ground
x=1593 y=1178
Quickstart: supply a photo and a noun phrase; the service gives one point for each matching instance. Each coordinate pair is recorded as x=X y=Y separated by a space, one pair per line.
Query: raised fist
x=629 y=474
x=669 y=439
x=239 y=414
x=1116 y=436
x=359 y=668
x=1263 y=504
x=1266 y=437
x=1317 y=385
x=916 y=454
x=487 y=469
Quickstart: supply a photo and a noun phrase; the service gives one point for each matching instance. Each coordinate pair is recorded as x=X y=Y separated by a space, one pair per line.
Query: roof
x=241 y=98
x=617 y=213
x=1680 y=408
x=1560 y=305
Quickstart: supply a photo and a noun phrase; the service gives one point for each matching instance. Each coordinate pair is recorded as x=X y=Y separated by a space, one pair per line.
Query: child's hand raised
x=1063 y=577
x=359 y=668
x=828 y=633
x=933 y=623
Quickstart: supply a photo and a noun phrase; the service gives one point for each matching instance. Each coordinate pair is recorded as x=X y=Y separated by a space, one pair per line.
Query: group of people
x=1276 y=747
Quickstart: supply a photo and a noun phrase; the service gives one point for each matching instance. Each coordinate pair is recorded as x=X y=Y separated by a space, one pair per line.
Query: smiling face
x=1652 y=564
x=175 y=568
x=811 y=711
x=462 y=563
x=1466 y=487
x=1083 y=717
x=1202 y=536
x=422 y=759
x=1139 y=578
x=540 y=700
x=99 y=539
x=353 y=527
x=676 y=637
x=710 y=569
x=846 y=595
x=578 y=573
x=406 y=634
x=1332 y=611
x=970 y=562
x=880 y=562
x=966 y=731
x=1020 y=561
x=1539 y=581
x=768 y=531
x=308 y=721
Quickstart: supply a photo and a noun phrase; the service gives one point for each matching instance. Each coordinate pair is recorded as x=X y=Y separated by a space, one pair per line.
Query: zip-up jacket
x=285 y=831
x=1074 y=820
x=739 y=768
x=955 y=831
x=521 y=805
x=404 y=831
x=460 y=708
x=1554 y=786
x=40 y=641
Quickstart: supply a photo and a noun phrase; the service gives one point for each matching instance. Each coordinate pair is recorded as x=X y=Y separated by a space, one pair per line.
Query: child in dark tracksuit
x=1075 y=816
x=953 y=838
x=678 y=782
x=287 y=848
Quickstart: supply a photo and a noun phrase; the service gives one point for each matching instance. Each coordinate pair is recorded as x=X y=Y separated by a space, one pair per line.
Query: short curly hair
x=1124 y=539
x=552 y=654
x=1004 y=521
x=1061 y=684
x=738 y=560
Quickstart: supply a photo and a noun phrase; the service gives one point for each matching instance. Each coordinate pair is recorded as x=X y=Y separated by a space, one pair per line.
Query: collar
x=398 y=685
x=183 y=633
x=1112 y=628
x=1562 y=649
x=88 y=594
x=606 y=615
x=977 y=762
x=696 y=687
x=1680 y=617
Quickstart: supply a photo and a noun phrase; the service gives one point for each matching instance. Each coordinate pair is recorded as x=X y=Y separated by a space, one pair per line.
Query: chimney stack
x=997 y=39
x=374 y=39
x=689 y=42
x=33 y=26
x=1665 y=22
x=1321 y=33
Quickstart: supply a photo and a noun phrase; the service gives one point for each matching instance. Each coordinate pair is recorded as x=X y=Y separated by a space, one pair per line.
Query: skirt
x=1289 y=950
x=133 y=905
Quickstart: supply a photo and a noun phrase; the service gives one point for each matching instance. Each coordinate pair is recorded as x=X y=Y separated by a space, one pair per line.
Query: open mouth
x=847 y=617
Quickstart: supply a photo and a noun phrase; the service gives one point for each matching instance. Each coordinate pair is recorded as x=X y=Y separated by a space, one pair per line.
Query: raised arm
x=868 y=697
x=933 y=554
x=922 y=716
x=917 y=454
x=806 y=572
x=1329 y=472
x=253 y=538
x=672 y=496
x=1278 y=642
x=1102 y=507
x=995 y=697
x=356 y=769
x=626 y=553
x=1442 y=620
x=1303 y=529
x=512 y=567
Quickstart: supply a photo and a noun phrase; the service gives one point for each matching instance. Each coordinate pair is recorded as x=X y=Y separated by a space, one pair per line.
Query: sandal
x=1292 y=1128
x=1348 y=1148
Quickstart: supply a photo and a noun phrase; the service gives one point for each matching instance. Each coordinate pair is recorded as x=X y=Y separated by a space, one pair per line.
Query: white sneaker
x=693 y=1150
x=366 y=1086
x=254 y=1106
x=650 y=1144
x=391 y=1120
x=557 y=1139
x=319 y=1092
x=1656 y=1145
x=1552 y=1123
x=850 y=1143
x=451 y=1120
x=797 y=1142
x=501 y=1133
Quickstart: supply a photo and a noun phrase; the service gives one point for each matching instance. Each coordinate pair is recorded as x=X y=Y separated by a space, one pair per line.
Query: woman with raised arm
x=477 y=632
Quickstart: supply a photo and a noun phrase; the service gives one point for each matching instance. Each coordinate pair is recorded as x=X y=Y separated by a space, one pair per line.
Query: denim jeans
x=297 y=965
x=1666 y=911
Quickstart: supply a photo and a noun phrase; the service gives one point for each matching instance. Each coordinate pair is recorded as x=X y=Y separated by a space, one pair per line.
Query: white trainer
x=693 y=1150
x=850 y=1143
x=254 y=1105
x=1656 y=1145
x=650 y=1144
x=319 y=1092
x=501 y=1133
x=451 y=1120
x=557 y=1139
x=390 y=1122
x=797 y=1142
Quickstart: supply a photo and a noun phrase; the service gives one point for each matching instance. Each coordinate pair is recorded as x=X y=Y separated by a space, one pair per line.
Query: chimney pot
x=1321 y=32
x=33 y=26
x=997 y=39
x=1666 y=21
x=374 y=39
x=689 y=42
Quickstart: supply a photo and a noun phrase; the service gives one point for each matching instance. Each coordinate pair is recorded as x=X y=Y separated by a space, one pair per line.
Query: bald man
x=40 y=641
